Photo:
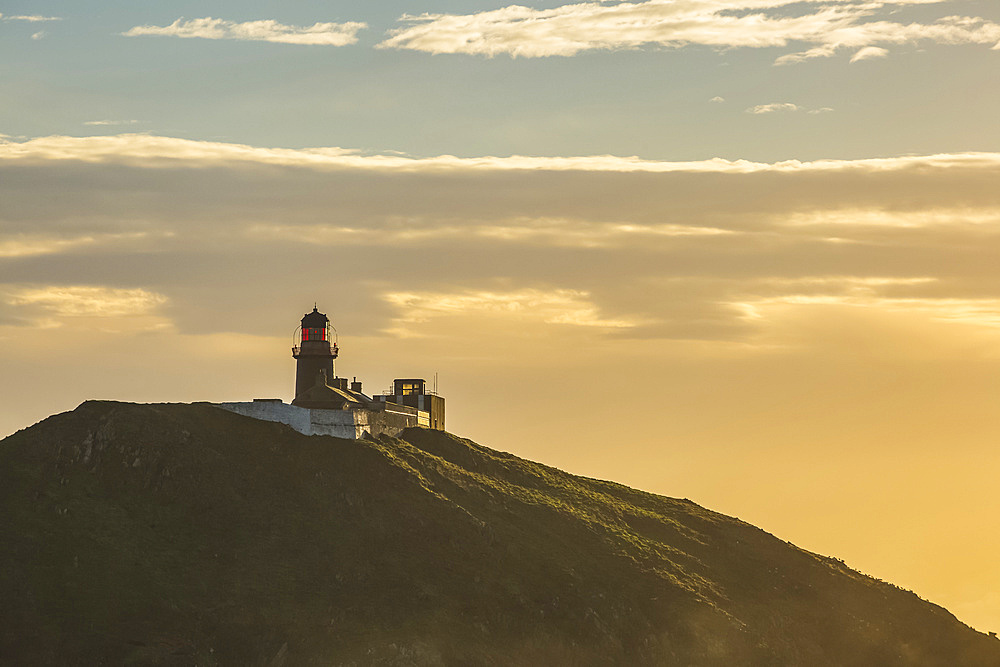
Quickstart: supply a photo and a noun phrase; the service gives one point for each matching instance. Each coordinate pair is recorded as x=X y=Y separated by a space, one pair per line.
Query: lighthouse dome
x=315 y=320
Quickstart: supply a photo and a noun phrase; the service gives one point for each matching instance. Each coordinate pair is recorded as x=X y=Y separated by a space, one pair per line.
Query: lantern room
x=315 y=350
x=315 y=331
x=315 y=326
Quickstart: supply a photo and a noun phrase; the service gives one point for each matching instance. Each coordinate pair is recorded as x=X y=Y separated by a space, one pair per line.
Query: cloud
x=16 y=245
x=782 y=107
x=869 y=52
x=718 y=99
x=132 y=205
x=558 y=306
x=76 y=300
x=984 y=312
x=23 y=245
x=570 y=233
x=570 y=29
x=41 y=34
x=34 y=18
x=144 y=150
x=874 y=217
x=111 y=122
x=773 y=107
x=322 y=34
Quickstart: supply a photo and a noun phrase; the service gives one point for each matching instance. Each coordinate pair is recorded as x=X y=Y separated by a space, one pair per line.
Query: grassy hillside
x=183 y=534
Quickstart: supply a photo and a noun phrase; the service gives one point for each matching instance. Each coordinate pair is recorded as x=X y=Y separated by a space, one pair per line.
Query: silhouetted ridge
x=184 y=534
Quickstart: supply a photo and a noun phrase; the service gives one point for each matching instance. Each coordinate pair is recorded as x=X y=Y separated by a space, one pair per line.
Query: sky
x=739 y=251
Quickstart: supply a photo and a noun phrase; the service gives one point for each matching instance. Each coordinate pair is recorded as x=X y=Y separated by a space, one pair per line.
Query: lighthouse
x=325 y=404
x=315 y=351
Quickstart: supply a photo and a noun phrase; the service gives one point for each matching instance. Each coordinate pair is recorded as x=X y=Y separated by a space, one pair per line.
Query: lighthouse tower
x=315 y=351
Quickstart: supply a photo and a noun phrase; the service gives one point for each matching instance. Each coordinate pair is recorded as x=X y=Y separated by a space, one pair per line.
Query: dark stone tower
x=315 y=351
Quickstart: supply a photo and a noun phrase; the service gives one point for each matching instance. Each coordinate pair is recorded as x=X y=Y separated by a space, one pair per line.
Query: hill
x=184 y=534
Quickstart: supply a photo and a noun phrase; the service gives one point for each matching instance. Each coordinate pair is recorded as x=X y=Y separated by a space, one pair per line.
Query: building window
x=314 y=334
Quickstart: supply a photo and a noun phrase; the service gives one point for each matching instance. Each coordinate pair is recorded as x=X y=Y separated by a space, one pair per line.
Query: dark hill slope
x=183 y=534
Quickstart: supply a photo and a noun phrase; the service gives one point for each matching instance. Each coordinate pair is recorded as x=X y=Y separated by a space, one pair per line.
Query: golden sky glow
x=741 y=251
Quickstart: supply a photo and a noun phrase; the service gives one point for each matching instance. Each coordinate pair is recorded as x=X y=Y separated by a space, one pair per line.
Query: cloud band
x=318 y=34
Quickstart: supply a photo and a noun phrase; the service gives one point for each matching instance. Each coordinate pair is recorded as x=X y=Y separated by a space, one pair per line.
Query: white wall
x=338 y=423
x=350 y=424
